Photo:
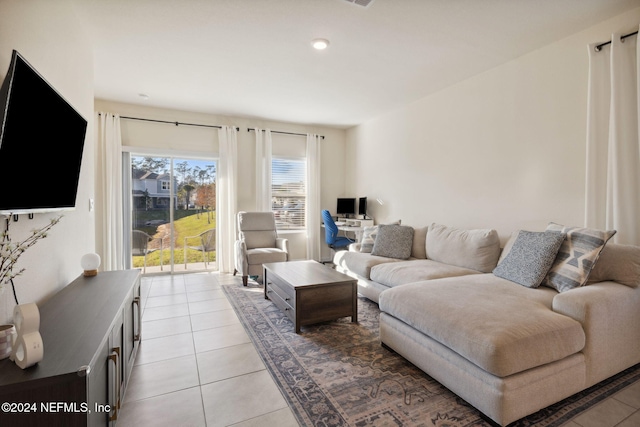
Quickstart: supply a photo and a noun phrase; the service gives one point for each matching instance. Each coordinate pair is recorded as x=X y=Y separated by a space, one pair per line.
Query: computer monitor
x=346 y=206
x=362 y=207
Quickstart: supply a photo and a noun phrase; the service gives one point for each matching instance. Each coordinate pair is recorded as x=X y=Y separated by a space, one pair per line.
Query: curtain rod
x=285 y=133
x=174 y=123
x=601 y=45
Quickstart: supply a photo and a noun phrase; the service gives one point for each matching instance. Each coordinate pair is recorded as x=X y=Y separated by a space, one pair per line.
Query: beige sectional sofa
x=509 y=348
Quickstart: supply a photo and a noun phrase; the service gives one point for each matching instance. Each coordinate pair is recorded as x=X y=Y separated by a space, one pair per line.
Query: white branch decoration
x=10 y=252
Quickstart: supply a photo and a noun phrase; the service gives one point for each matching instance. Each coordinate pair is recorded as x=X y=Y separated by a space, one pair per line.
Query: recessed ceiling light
x=320 y=44
x=143 y=96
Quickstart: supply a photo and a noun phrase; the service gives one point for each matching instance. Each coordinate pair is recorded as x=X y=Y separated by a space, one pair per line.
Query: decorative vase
x=7 y=337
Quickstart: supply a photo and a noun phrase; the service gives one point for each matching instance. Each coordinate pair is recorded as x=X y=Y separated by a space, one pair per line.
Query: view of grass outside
x=191 y=225
x=191 y=191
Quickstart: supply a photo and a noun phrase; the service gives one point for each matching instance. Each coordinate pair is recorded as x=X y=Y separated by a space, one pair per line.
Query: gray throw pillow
x=530 y=257
x=369 y=236
x=393 y=241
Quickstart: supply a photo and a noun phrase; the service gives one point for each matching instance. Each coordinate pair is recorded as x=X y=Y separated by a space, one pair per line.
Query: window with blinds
x=289 y=192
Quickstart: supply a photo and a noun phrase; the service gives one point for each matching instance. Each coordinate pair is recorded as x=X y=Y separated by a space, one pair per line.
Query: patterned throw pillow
x=530 y=257
x=368 y=238
x=577 y=256
x=393 y=241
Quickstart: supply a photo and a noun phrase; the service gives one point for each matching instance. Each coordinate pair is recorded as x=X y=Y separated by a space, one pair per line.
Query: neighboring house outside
x=150 y=190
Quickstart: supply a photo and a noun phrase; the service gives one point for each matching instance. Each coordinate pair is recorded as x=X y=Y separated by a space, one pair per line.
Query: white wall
x=504 y=149
x=192 y=139
x=50 y=36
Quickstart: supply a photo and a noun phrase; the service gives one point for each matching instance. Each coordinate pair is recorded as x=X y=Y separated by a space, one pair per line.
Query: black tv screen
x=41 y=143
x=346 y=206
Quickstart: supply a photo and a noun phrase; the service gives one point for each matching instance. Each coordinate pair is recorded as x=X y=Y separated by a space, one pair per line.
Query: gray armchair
x=258 y=243
x=140 y=246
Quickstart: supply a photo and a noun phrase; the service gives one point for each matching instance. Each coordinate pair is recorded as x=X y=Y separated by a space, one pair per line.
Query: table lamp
x=90 y=263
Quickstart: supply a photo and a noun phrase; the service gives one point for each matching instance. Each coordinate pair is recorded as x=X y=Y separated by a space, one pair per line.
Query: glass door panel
x=173 y=214
x=195 y=214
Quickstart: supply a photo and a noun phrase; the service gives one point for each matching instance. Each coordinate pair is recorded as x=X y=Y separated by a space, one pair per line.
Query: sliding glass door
x=173 y=213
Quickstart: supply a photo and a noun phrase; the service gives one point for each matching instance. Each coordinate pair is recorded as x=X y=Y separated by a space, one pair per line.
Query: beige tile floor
x=197 y=366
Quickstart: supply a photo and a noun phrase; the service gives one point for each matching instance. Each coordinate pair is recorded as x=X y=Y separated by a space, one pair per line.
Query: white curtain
x=313 y=197
x=263 y=170
x=109 y=210
x=613 y=147
x=227 y=201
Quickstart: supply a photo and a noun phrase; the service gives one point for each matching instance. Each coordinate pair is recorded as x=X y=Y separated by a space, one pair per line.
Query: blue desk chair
x=331 y=233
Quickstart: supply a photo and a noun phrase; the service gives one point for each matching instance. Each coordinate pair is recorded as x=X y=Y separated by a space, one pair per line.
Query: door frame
x=127 y=153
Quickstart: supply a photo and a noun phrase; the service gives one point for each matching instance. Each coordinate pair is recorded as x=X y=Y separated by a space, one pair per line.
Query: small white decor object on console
x=28 y=348
x=90 y=264
x=7 y=336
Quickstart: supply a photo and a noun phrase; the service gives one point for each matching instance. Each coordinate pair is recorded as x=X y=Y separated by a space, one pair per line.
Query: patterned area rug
x=338 y=374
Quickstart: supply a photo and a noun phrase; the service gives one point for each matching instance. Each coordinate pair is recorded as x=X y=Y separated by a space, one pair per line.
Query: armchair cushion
x=257 y=229
x=259 y=239
x=265 y=255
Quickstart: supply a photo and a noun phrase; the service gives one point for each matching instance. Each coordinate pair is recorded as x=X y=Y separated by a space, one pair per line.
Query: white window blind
x=289 y=192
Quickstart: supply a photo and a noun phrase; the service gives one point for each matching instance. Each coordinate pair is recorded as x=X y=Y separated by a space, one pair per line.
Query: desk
x=352 y=229
x=355 y=226
x=359 y=223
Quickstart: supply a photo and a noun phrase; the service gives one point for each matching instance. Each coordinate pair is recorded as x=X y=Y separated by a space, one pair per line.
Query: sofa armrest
x=610 y=314
x=282 y=243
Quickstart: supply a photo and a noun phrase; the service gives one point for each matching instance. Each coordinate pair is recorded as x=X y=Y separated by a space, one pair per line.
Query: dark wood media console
x=91 y=331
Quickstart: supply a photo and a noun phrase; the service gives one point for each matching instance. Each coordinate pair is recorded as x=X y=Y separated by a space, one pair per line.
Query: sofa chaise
x=510 y=331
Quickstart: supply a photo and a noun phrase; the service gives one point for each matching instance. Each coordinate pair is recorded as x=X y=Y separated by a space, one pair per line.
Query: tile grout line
x=204 y=411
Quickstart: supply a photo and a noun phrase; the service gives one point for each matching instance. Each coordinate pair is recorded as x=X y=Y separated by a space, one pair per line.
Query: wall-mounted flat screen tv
x=41 y=143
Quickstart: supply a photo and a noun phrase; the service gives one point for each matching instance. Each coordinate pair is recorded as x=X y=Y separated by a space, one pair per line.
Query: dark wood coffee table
x=309 y=292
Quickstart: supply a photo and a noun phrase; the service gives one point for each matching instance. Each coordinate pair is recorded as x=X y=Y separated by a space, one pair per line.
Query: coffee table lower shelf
x=309 y=292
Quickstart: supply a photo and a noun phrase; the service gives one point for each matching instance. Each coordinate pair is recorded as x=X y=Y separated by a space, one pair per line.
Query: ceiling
x=253 y=58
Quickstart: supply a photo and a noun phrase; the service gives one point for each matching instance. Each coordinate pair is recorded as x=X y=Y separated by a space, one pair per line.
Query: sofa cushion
x=393 y=241
x=508 y=245
x=499 y=327
x=577 y=256
x=618 y=263
x=403 y=272
x=359 y=263
x=419 y=248
x=530 y=257
x=475 y=249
